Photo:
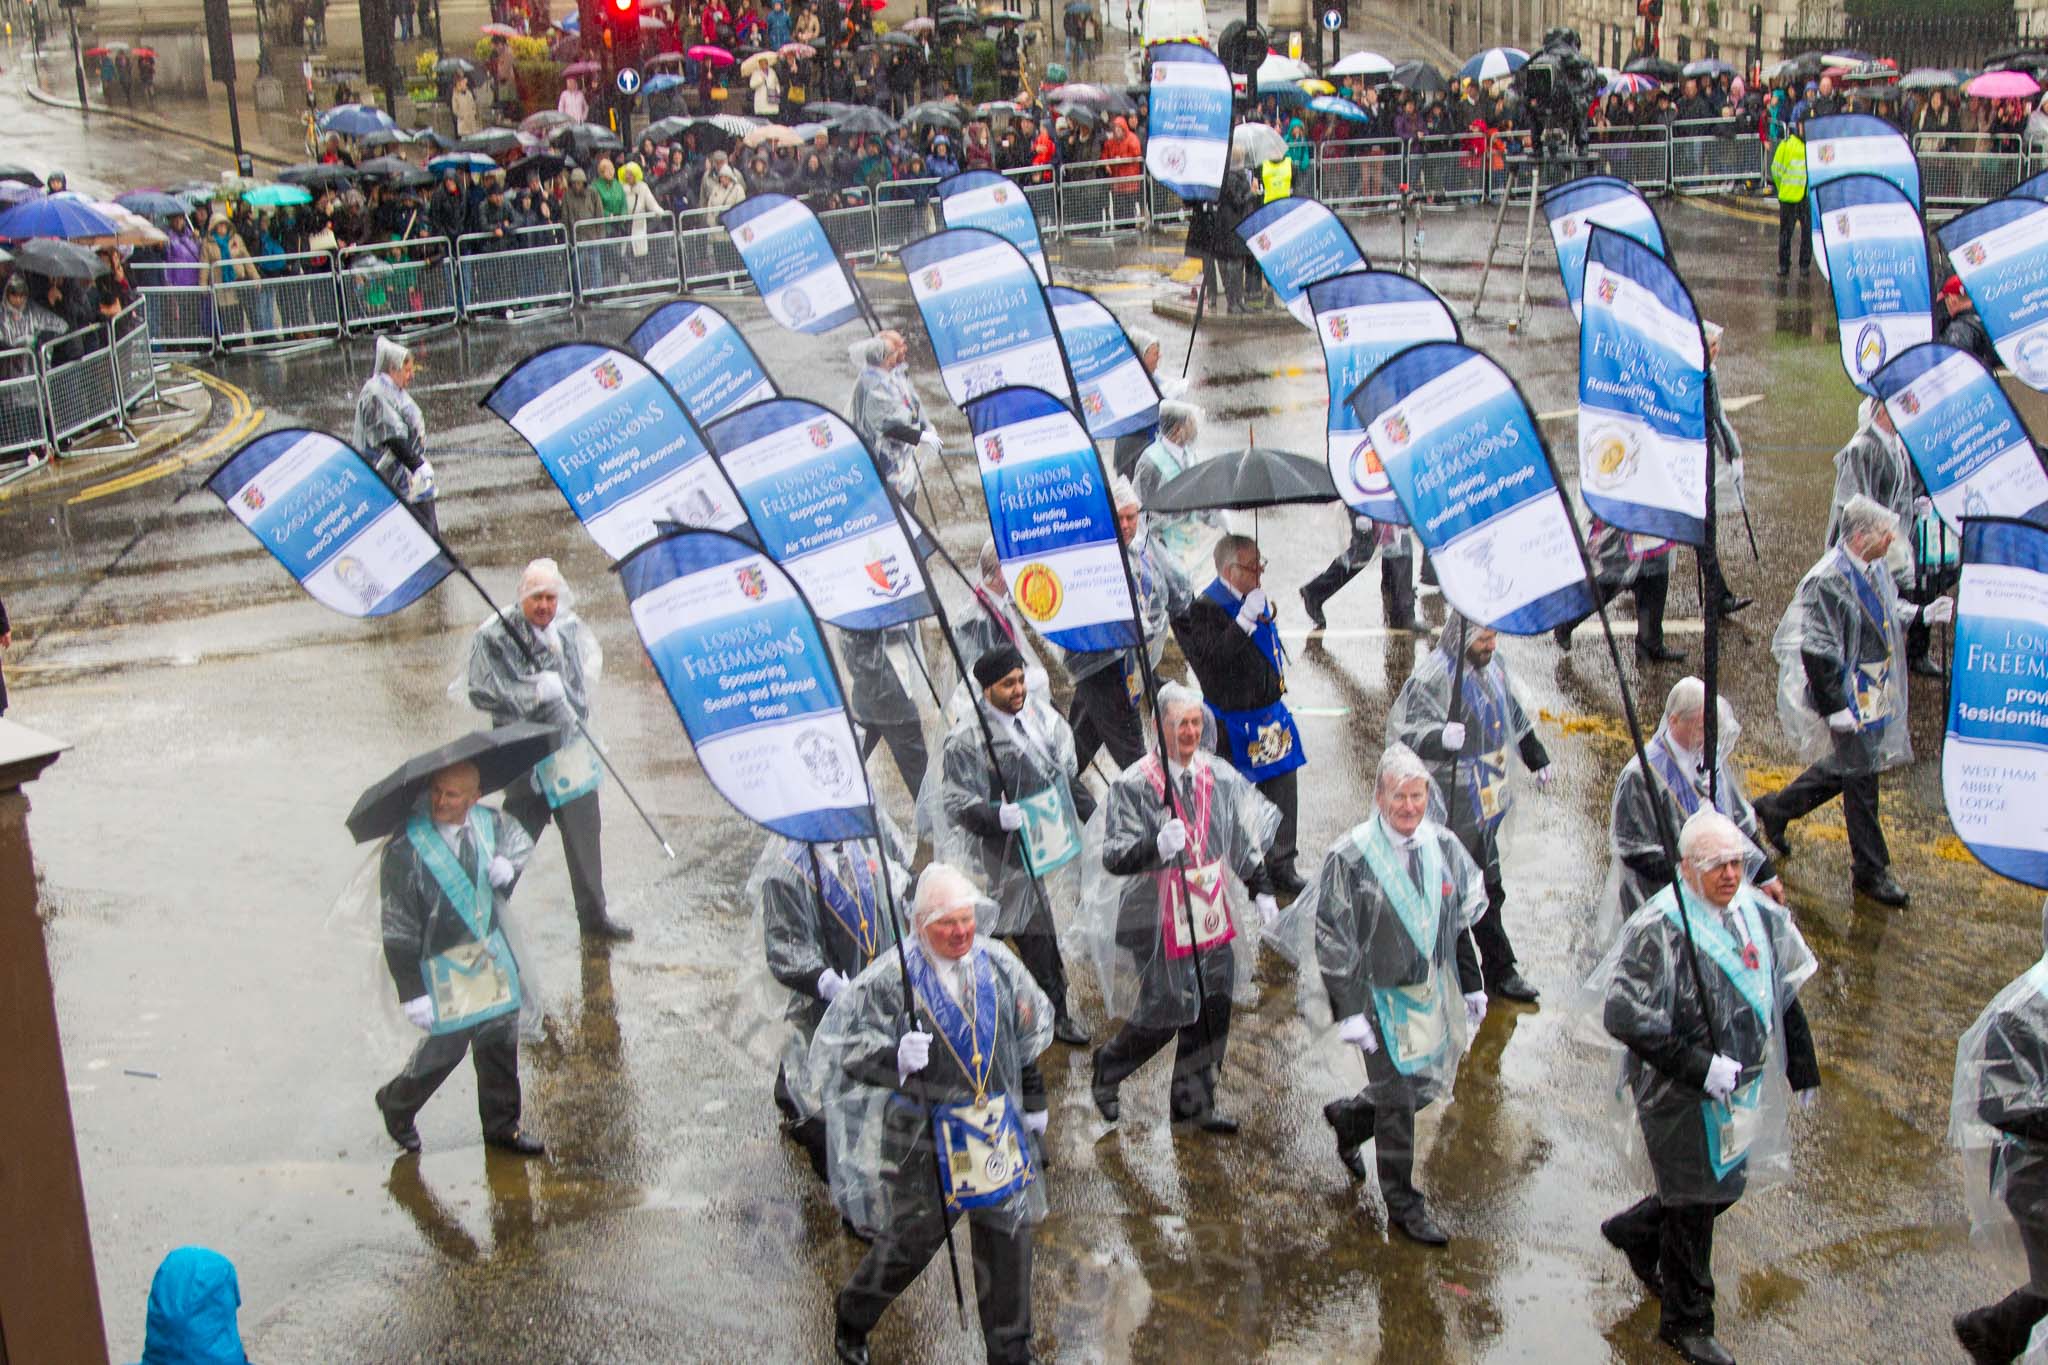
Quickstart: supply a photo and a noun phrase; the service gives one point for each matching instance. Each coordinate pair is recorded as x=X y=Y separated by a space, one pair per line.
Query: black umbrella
x=1243 y=481
x=58 y=259
x=491 y=141
x=549 y=164
x=502 y=756
x=1656 y=68
x=385 y=167
x=384 y=137
x=1418 y=77
x=933 y=114
x=669 y=129
x=21 y=173
x=2023 y=59
x=897 y=38
x=959 y=14
x=319 y=177
x=863 y=119
x=433 y=138
x=824 y=111
x=581 y=139
x=454 y=66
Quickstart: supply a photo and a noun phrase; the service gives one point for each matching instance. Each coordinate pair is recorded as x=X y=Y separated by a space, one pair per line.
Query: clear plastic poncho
x=880 y=1146
x=1877 y=466
x=1039 y=772
x=1385 y=944
x=385 y=412
x=1848 y=620
x=1133 y=920
x=1188 y=537
x=1495 y=720
x=987 y=621
x=882 y=399
x=1998 y=1119
x=1621 y=557
x=1647 y=999
x=885 y=674
x=820 y=907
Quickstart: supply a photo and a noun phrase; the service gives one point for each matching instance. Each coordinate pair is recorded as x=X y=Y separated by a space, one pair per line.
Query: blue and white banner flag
x=2000 y=253
x=1116 y=390
x=1052 y=518
x=740 y=653
x=1973 y=452
x=617 y=442
x=1642 y=394
x=997 y=203
x=321 y=510
x=1362 y=319
x=1884 y=303
x=823 y=512
x=2033 y=187
x=1856 y=144
x=1187 y=120
x=1574 y=208
x=792 y=263
x=986 y=313
x=1462 y=451
x=702 y=356
x=1297 y=242
x=1994 y=759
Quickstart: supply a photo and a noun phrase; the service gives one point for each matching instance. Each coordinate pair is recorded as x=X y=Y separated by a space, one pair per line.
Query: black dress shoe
x=1641 y=1259
x=519 y=1144
x=1286 y=881
x=1314 y=610
x=1106 y=1102
x=1065 y=1030
x=402 y=1131
x=1698 y=1347
x=1923 y=666
x=1512 y=986
x=1883 y=889
x=1417 y=1226
x=1352 y=1154
x=848 y=1346
x=1974 y=1333
x=1563 y=636
x=609 y=930
x=1773 y=830
x=1220 y=1124
x=1731 y=604
x=1657 y=653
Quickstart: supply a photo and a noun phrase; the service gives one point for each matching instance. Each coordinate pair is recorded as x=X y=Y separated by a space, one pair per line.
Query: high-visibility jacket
x=1788 y=169
x=1278 y=178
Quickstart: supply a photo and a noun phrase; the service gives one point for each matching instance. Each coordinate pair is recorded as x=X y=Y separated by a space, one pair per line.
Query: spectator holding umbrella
x=572 y=101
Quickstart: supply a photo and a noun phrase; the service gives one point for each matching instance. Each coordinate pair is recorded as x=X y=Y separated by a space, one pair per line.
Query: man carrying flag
x=1461 y=718
x=886 y=411
x=1397 y=573
x=391 y=433
x=1876 y=464
x=1233 y=646
x=883 y=671
x=1108 y=683
x=540 y=663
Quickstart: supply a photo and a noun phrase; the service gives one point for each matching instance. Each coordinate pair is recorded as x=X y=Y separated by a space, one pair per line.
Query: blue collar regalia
x=986 y=1158
x=852 y=908
x=1262 y=743
x=1482 y=777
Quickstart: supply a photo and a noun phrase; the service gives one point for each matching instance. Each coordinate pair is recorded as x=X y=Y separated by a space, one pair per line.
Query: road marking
x=244 y=418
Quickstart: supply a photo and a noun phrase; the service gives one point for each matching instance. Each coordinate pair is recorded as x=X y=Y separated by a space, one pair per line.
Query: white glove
x=1037 y=1122
x=1843 y=722
x=913 y=1053
x=548 y=687
x=1808 y=1096
x=830 y=983
x=1923 y=506
x=1543 y=777
x=930 y=441
x=1173 y=386
x=1722 y=1074
x=1363 y=525
x=1268 y=908
x=1036 y=681
x=419 y=1011
x=502 y=873
x=1938 y=612
x=419 y=484
x=1173 y=837
x=1253 y=610
x=1475 y=1009
x=1453 y=736
x=1357 y=1031
x=1010 y=816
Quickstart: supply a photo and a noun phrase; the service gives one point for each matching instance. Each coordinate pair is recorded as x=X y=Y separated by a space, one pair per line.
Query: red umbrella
x=95 y=52
x=874 y=4
x=498 y=31
x=581 y=69
x=148 y=52
x=717 y=56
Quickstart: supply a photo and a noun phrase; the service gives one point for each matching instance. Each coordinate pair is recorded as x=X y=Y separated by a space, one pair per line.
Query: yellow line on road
x=1730 y=211
x=244 y=418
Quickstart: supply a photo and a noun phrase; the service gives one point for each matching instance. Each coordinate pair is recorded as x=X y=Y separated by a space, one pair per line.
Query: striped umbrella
x=1629 y=83
x=1493 y=64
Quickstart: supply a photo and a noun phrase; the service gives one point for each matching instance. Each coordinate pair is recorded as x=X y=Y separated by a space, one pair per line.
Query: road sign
x=629 y=81
x=1333 y=19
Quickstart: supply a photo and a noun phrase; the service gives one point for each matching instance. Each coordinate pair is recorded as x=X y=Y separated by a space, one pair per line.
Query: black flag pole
x=1451 y=714
x=1710 y=665
x=1201 y=297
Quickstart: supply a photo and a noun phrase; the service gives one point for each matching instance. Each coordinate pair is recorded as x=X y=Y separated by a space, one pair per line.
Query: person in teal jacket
x=193 y=1302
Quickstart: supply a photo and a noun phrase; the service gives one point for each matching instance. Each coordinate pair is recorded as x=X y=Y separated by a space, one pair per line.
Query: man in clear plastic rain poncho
x=994 y=622
x=1467 y=754
x=958 y=1058
x=1017 y=825
x=1712 y=1115
x=391 y=433
x=1107 y=683
x=1875 y=464
x=1842 y=691
x=886 y=674
x=1387 y=917
x=824 y=915
x=1999 y=1121
x=886 y=411
x=443 y=879
x=540 y=663
x=1135 y=914
x=1182 y=535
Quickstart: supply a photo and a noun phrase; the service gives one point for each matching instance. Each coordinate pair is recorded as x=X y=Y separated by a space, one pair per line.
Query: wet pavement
x=194 y=869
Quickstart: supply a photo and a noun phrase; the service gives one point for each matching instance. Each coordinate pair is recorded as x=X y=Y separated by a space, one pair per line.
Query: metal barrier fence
x=903 y=213
x=1042 y=194
x=134 y=364
x=1958 y=170
x=1441 y=168
x=527 y=273
x=852 y=234
x=24 y=435
x=1641 y=156
x=707 y=253
x=1362 y=171
x=180 y=308
x=1166 y=206
x=397 y=282
x=81 y=390
x=630 y=255
x=280 y=309
x=1714 y=152
x=1095 y=201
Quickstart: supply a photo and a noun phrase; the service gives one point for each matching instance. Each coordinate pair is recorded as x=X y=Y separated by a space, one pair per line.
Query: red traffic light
x=624 y=6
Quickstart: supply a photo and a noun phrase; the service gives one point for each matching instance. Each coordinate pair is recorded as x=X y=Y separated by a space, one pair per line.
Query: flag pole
x=1710 y=665
x=1451 y=713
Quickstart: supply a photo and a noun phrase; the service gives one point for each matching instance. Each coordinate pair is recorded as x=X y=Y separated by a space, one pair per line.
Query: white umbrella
x=1363 y=64
x=1277 y=68
x=1255 y=143
x=1494 y=64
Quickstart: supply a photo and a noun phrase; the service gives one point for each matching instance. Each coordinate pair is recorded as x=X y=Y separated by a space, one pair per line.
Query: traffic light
x=623 y=21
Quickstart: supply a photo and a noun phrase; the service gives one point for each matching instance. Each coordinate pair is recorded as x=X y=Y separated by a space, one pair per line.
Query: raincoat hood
x=192 y=1305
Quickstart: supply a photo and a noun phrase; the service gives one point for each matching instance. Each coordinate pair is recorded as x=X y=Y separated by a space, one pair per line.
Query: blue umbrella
x=1494 y=63
x=151 y=203
x=59 y=217
x=1340 y=107
x=355 y=120
x=572 y=24
x=476 y=163
x=1287 y=92
x=657 y=85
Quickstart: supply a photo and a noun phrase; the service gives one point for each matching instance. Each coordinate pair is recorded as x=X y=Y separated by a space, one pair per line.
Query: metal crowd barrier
x=1641 y=156
x=631 y=255
x=24 y=435
x=1042 y=194
x=1360 y=171
x=1959 y=170
x=394 y=283
x=273 y=312
x=852 y=234
x=903 y=213
x=1708 y=153
x=135 y=365
x=706 y=251
x=81 y=393
x=1165 y=205
x=523 y=276
x=180 y=314
x=1447 y=167
x=1093 y=202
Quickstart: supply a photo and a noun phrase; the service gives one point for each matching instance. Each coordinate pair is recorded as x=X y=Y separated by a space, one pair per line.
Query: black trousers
x=1103 y=714
x=582 y=843
x=1391 y=1128
x=1792 y=223
x=1397 y=586
x=1039 y=950
x=1197 y=1055
x=1002 y=1274
x=1497 y=953
x=808 y=1133
x=1283 y=791
x=1683 y=1237
x=1869 y=856
x=493 y=1048
x=906 y=746
x=1651 y=591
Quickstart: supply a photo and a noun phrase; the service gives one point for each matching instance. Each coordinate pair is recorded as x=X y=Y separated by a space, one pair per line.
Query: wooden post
x=49 y=1295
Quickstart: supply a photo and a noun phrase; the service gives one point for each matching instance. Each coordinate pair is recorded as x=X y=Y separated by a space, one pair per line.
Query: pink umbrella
x=581 y=69
x=797 y=52
x=704 y=52
x=2003 y=85
x=498 y=31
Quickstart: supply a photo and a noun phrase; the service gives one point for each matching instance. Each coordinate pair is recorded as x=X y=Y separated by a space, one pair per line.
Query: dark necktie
x=1415 y=866
x=465 y=851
